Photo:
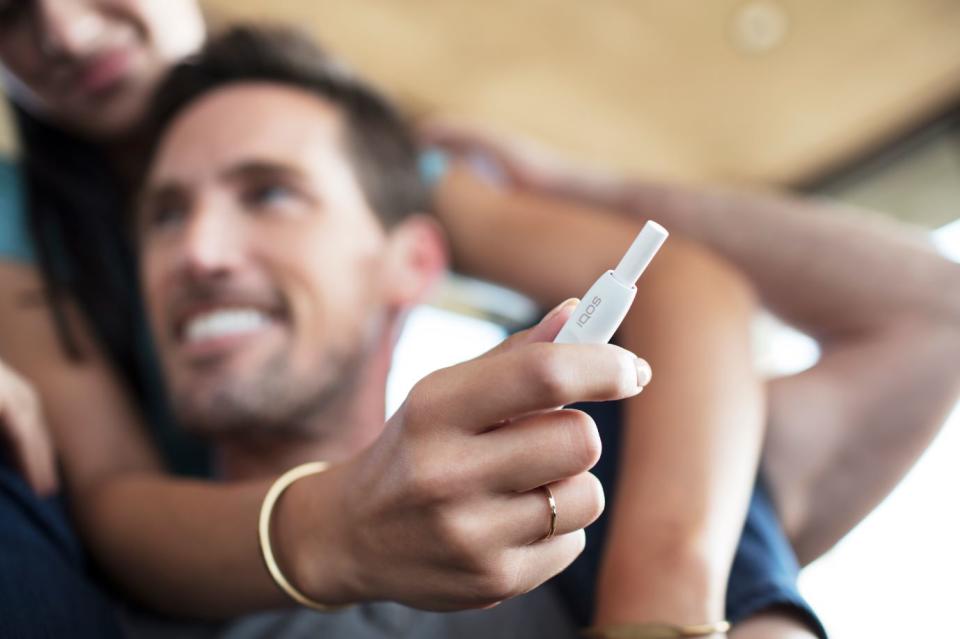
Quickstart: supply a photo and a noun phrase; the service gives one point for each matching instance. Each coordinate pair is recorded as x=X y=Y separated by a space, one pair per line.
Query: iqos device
x=600 y=311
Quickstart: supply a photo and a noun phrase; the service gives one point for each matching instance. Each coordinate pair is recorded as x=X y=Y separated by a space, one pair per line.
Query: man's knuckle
x=585 y=444
x=548 y=375
x=466 y=544
x=431 y=487
x=623 y=379
x=580 y=542
x=596 y=500
x=440 y=473
x=459 y=535
x=417 y=406
x=501 y=580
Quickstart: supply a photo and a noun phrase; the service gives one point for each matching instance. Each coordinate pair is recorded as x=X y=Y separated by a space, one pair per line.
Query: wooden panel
x=771 y=91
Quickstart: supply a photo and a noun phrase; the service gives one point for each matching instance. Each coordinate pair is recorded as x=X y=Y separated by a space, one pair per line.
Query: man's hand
x=23 y=429
x=445 y=511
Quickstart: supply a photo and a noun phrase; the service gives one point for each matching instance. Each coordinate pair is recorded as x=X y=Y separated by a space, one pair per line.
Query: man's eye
x=269 y=195
x=163 y=216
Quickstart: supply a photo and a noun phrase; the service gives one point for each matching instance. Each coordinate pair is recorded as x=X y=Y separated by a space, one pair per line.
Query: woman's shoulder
x=15 y=242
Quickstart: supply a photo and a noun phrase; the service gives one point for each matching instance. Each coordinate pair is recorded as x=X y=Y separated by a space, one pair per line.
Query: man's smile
x=219 y=331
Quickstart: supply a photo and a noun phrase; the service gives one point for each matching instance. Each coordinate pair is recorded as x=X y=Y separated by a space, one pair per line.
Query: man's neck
x=344 y=428
x=253 y=457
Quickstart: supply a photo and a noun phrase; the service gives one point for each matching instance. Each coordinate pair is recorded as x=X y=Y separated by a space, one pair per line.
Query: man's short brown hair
x=378 y=140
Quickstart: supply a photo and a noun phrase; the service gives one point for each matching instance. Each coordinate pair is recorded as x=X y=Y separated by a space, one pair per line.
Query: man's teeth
x=224 y=324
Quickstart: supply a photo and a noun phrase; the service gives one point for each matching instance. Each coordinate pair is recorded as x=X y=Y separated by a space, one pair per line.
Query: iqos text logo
x=589 y=311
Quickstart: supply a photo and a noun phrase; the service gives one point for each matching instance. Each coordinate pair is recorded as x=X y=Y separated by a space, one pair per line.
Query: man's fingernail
x=644 y=372
x=572 y=302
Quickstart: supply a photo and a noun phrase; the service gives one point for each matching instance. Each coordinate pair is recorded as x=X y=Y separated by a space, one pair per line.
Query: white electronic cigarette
x=599 y=313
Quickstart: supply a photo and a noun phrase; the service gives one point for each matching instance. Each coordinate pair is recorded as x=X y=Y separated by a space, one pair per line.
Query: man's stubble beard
x=275 y=400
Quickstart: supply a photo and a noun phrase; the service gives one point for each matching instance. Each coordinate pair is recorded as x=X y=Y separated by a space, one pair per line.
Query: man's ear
x=416 y=260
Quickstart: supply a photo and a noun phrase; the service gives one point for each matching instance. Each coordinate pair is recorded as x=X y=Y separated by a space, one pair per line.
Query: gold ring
x=553 y=513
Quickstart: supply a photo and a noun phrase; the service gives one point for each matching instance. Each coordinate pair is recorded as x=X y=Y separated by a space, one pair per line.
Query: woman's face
x=92 y=65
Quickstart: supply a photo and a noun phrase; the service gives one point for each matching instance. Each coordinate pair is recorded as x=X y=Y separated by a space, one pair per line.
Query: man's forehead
x=233 y=124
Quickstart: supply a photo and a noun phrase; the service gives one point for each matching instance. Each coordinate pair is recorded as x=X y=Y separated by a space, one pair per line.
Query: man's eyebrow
x=158 y=193
x=166 y=190
x=262 y=168
x=247 y=168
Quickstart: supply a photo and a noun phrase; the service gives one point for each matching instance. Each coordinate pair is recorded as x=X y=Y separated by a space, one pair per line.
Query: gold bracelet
x=656 y=631
x=266 y=548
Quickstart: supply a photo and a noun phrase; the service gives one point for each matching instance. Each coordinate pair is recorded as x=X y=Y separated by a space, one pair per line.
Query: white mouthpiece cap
x=641 y=252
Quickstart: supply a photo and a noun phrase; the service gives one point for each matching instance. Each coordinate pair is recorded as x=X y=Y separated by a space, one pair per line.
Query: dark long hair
x=76 y=211
x=76 y=207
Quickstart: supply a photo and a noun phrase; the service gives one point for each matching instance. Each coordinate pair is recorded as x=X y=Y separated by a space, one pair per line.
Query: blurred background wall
x=773 y=91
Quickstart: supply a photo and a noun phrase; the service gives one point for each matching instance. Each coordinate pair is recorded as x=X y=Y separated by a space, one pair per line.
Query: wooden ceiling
x=773 y=91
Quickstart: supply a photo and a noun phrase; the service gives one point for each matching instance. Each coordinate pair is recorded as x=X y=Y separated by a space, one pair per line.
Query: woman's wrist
x=677 y=584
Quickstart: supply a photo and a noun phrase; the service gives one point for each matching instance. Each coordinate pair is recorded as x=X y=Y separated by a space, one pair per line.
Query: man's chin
x=215 y=406
x=216 y=418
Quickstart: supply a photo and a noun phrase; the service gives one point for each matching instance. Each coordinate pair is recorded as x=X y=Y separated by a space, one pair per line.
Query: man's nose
x=67 y=28
x=213 y=242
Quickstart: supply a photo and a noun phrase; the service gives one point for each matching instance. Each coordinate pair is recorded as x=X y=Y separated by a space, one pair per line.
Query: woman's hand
x=517 y=163
x=25 y=432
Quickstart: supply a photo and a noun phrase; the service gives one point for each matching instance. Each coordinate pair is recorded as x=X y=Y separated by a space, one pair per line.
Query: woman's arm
x=885 y=308
x=692 y=440
x=882 y=303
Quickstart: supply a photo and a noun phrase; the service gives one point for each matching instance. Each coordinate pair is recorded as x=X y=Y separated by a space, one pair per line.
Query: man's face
x=262 y=262
x=92 y=65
